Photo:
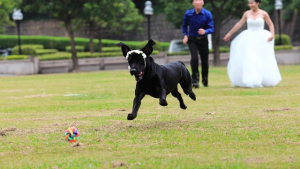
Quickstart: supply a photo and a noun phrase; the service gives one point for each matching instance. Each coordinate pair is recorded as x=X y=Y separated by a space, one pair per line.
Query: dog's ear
x=148 y=49
x=125 y=49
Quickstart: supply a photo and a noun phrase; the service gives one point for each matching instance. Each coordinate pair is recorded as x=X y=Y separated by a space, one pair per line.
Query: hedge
x=81 y=55
x=45 y=51
x=222 y=49
x=60 y=43
x=25 y=49
x=225 y=49
x=77 y=47
x=16 y=57
x=285 y=39
x=284 y=47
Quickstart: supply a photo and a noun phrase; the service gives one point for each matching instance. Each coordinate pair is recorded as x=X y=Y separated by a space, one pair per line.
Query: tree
x=6 y=8
x=222 y=11
x=118 y=15
x=63 y=10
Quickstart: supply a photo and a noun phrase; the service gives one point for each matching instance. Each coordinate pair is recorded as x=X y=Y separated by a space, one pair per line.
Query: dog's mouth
x=139 y=77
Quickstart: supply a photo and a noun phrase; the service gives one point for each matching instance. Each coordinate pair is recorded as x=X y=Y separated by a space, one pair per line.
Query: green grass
x=226 y=127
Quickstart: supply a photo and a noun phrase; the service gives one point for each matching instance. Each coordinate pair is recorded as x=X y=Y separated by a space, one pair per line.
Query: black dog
x=156 y=80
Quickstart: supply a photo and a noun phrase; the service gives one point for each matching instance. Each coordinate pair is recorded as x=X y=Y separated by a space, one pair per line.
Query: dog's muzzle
x=132 y=71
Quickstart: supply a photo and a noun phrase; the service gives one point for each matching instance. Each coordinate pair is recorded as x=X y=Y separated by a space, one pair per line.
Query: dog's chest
x=151 y=89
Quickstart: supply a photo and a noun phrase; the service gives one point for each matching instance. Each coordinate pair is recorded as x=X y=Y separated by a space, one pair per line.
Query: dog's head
x=137 y=59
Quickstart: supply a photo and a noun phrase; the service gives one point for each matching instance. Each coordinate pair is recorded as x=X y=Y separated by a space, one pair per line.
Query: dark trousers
x=199 y=44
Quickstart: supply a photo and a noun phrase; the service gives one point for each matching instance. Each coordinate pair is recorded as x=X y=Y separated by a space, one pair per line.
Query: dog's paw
x=131 y=117
x=192 y=96
x=183 y=106
x=163 y=102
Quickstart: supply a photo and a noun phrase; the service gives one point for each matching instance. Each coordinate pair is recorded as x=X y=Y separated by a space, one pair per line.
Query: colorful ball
x=72 y=134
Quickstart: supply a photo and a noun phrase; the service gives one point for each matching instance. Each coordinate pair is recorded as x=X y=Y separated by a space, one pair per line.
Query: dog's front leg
x=162 y=97
x=136 y=105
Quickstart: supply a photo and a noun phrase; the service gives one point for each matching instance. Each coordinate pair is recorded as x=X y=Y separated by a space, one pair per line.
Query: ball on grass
x=72 y=134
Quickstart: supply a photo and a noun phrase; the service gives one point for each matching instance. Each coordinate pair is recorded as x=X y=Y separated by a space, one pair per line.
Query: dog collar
x=137 y=52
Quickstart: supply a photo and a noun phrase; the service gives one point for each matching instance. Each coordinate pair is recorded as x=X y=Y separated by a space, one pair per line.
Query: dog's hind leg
x=176 y=94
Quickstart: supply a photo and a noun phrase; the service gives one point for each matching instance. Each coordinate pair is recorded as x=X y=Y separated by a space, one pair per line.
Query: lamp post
x=17 y=17
x=278 y=7
x=148 y=11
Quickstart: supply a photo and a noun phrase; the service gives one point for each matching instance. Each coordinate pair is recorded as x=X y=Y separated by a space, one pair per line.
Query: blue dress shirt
x=195 y=22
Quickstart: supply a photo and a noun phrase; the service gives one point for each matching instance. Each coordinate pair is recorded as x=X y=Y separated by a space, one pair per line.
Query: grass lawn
x=226 y=127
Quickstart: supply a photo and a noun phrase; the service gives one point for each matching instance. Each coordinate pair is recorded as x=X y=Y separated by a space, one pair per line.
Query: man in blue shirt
x=200 y=23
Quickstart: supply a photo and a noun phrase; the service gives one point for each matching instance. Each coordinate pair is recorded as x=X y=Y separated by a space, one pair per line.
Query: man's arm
x=185 y=24
x=184 y=28
x=210 y=24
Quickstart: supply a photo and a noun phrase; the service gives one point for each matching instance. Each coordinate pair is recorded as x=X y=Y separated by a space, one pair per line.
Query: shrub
x=26 y=50
x=1 y=58
x=60 y=43
x=157 y=46
x=285 y=39
x=78 y=48
x=45 y=51
x=111 y=49
x=178 y=53
x=56 y=56
x=16 y=57
x=81 y=55
x=299 y=47
x=284 y=47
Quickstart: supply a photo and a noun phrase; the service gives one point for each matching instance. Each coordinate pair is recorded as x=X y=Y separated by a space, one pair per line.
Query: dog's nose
x=132 y=71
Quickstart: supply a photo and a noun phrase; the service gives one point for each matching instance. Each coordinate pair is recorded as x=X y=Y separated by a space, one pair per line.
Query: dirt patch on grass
x=119 y=164
x=39 y=95
x=256 y=160
x=275 y=110
x=5 y=131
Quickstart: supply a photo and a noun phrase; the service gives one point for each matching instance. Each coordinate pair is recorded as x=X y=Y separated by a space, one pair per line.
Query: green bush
x=16 y=57
x=111 y=49
x=222 y=49
x=26 y=50
x=81 y=55
x=285 y=39
x=56 y=56
x=157 y=46
x=78 y=48
x=45 y=51
x=284 y=47
x=299 y=47
x=37 y=46
x=60 y=43
x=1 y=58
x=178 y=53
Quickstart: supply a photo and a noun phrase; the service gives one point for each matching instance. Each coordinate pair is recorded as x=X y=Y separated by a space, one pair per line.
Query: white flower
x=137 y=52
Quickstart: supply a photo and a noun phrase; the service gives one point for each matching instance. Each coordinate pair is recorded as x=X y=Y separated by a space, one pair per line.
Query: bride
x=252 y=60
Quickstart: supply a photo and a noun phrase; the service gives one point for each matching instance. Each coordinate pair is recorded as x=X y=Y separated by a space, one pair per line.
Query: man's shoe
x=205 y=82
x=195 y=85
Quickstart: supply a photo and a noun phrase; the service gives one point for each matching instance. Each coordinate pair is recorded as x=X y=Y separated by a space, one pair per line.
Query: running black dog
x=156 y=80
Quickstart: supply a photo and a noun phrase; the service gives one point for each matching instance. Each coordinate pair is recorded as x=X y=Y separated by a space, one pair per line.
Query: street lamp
x=278 y=7
x=17 y=17
x=148 y=11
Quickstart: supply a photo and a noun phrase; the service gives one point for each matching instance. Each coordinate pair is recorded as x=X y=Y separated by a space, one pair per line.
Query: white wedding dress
x=252 y=60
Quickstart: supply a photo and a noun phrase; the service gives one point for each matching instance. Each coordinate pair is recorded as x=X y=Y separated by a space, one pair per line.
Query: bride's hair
x=256 y=1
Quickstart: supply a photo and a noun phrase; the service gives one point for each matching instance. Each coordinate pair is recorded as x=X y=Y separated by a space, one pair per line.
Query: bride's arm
x=236 y=27
x=270 y=24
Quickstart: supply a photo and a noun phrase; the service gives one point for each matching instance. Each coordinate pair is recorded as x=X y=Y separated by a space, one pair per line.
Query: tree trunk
x=73 y=49
x=216 y=40
x=100 y=39
x=91 y=37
